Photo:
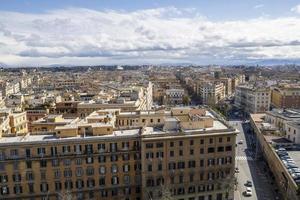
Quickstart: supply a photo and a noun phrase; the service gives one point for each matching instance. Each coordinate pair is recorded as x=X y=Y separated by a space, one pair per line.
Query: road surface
x=249 y=168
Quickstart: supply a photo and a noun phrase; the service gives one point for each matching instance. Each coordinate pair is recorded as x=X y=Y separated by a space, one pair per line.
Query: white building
x=293 y=131
x=174 y=96
x=211 y=93
x=253 y=99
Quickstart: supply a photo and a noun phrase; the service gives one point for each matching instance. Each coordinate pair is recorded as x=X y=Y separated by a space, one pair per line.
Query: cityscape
x=142 y=100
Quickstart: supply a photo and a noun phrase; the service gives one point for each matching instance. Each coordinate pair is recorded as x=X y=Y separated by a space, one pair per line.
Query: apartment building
x=33 y=115
x=50 y=122
x=286 y=96
x=253 y=98
x=286 y=121
x=14 y=123
x=174 y=96
x=268 y=140
x=211 y=92
x=190 y=156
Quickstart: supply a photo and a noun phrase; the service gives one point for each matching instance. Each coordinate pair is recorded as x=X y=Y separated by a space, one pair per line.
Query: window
x=180 y=165
x=44 y=187
x=4 y=190
x=114 y=180
x=101 y=147
x=126 y=168
x=29 y=176
x=159 y=145
x=78 y=161
x=201 y=163
x=89 y=171
x=125 y=145
x=43 y=163
x=114 y=168
x=58 y=186
x=41 y=151
x=149 y=155
x=210 y=162
x=171 y=153
x=102 y=181
x=57 y=174
x=192 y=164
x=159 y=154
x=180 y=143
x=77 y=149
x=31 y=187
x=68 y=184
x=79 y=184
x=220 y=149
x=67 y=162
x=202 y=141
x=220 y=140
x=125 y=157
x=159 y=167
x=149 y=167
x=228 y=139
x=89 y=148
x=210 y=150
x=201 y=151
x=102 y=170
x=126 y=179
x=67 y=173
x=171 y=144
x=66 y=149
x=211 y=140
x=55 y=163
x=28 y=153
x=113 y=147
x=89 y=160
x=228 y=148
x=113 y=158
x=90 y=183
x=180 y=152
x=101 y=159
x=149 y=145
x=191 y=151
x=16 y=177
x=53 y=151
x=172 y=165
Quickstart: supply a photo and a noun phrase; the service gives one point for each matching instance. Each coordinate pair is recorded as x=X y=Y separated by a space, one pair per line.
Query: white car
x=241 y=141
x=248 y=191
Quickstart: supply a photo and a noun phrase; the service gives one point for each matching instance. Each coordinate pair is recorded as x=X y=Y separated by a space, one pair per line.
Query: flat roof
x=28 y=139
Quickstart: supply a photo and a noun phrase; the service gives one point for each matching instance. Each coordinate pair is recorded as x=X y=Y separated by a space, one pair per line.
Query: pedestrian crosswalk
x=244 y=158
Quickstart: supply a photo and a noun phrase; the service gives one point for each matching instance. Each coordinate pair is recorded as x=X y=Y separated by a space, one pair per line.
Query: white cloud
x=259 y=6
x=296 y=9
x=83 y=36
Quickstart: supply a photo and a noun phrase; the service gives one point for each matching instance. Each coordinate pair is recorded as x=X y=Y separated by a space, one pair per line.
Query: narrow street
x=249 y=168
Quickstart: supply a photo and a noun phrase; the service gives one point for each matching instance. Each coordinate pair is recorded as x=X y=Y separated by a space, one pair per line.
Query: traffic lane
x=250 y=170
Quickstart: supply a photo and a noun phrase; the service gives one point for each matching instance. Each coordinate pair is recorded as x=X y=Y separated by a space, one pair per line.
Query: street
x=249 y=168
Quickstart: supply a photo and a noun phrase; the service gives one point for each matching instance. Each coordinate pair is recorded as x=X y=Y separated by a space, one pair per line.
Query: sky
x=90 y=32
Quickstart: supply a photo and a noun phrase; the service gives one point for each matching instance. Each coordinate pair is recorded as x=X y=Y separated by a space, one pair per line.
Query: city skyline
x=90 y=33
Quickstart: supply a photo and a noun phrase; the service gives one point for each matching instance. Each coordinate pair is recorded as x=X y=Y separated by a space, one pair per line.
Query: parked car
x=294 y=170
x=295 y=175
x=249 y=183
x=248 y=191
x=290 y=165
x=241 y=141
x=237 y=170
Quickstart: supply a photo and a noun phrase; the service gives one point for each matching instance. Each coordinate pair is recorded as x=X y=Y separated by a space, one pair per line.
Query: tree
x=186 y=100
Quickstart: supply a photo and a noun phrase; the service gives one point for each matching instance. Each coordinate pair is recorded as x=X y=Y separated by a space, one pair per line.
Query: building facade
x=190 y=156
x=253 y=99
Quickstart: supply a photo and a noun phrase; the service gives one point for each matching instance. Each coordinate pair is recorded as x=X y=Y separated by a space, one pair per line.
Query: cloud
x=296 y=9
x=259 y=6
x=84 y=36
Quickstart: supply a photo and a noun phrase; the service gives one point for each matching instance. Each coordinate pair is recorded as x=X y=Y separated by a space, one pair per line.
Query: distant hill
x=274 y=62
